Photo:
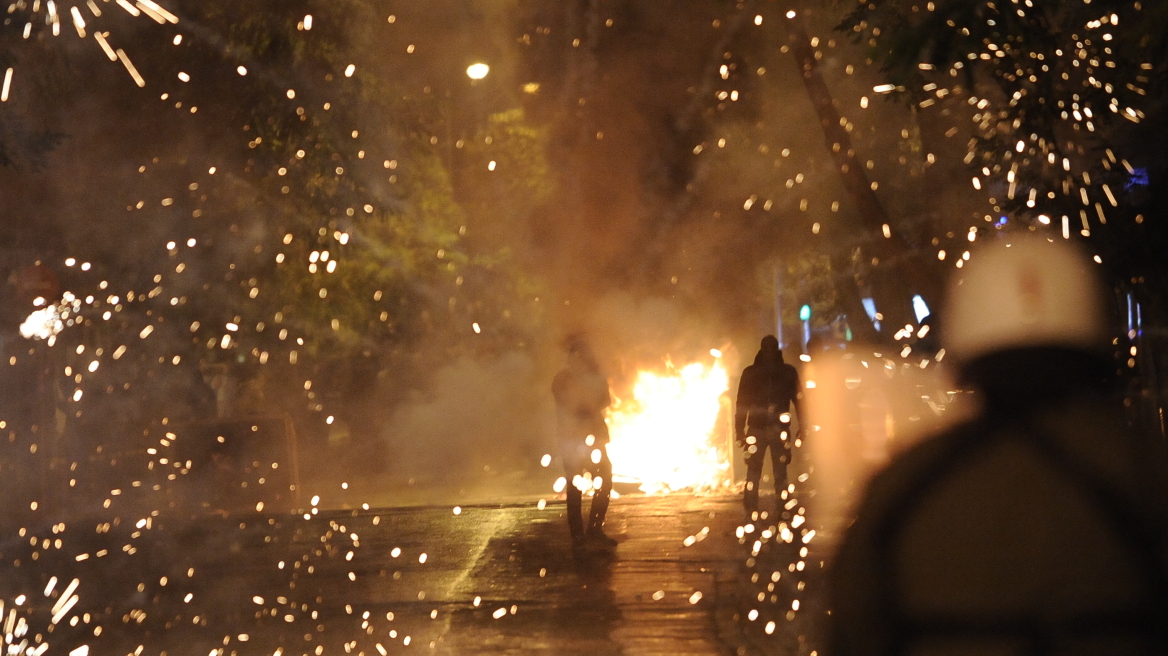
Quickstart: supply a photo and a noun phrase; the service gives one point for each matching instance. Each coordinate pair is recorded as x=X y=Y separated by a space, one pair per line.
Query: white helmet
x=1024 y=290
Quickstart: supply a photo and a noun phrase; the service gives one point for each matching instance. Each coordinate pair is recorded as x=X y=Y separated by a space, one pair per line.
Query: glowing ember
x=668 y=436
x=42 y=324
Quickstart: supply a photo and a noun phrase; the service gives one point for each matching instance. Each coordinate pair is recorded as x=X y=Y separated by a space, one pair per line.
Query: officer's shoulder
x=904 y=473
x=883 y=503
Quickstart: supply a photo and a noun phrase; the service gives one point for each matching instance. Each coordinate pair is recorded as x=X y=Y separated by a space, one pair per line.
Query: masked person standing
x=1039 y=525
x=582 y=395
x=762 y=420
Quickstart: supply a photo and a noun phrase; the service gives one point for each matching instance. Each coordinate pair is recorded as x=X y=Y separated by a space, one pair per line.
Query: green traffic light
x=805 y=313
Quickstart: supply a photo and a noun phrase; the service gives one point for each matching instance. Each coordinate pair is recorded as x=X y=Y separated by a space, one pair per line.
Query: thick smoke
x=671 y=170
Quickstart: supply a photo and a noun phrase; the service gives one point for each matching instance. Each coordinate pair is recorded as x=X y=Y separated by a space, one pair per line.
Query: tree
x=1067 y=103
x=1064 y=99
x=303 y=228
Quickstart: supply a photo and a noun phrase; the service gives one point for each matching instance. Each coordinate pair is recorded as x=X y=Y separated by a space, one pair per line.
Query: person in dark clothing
x=1040 y=525
x=582 y=395
x=762 y=420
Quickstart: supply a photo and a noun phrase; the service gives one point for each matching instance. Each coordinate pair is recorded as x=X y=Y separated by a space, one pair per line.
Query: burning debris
x=671 y=433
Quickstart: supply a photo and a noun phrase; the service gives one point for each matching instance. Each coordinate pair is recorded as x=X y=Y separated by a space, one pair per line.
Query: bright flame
x=667 y=436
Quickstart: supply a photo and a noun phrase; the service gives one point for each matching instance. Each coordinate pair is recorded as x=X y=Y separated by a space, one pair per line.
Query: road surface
x=426 y=580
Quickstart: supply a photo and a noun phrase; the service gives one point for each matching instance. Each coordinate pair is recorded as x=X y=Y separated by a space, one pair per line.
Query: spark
x=130 y=9
x=130 y=68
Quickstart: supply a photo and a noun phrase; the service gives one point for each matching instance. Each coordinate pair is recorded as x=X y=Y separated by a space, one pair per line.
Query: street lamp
x=805 y=317
x=477 y=71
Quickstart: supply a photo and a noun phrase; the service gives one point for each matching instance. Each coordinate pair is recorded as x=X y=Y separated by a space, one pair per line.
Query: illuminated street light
x=805 y=317
x=477 y=71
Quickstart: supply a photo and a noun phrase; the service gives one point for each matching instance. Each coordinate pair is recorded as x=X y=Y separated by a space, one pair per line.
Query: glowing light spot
x=477 y=71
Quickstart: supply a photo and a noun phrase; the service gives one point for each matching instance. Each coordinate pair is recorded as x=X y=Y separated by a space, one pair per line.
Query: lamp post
x=805 y=317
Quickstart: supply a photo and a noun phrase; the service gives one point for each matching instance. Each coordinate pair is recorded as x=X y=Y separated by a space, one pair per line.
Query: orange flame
x=670 y=434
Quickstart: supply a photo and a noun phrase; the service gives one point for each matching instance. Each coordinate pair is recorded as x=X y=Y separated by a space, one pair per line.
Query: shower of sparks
x=95 y=338
x=1085 y=77
x=24 y=629
x=31 y=15
x=45 y=323
x=670 y=434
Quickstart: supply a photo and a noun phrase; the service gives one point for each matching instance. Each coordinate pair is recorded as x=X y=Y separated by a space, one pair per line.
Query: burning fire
x=671 y=434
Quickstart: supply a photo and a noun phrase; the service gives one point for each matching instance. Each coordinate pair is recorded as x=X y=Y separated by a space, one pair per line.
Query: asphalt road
x=487 y=580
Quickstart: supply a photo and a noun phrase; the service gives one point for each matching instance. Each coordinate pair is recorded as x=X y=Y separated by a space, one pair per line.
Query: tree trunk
x=862 y=328
x=892 y=274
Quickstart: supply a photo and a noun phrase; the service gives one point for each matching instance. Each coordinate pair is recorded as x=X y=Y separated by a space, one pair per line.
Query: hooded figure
x=582 y=395
x=1039 y=525
x=762 y=419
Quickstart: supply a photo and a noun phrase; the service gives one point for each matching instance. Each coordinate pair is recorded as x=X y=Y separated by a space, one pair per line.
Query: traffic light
x=805 y=313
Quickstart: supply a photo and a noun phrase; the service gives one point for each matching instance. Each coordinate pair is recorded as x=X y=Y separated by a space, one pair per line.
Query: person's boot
x=596 y=536
x=750 y=501
x=575 y=521
x=579 y=537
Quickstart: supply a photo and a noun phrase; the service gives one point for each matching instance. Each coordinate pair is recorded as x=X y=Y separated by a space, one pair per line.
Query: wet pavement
x=489 y=579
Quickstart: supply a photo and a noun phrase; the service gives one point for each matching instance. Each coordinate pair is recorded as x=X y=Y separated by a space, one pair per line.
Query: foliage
x=1063 y=96
x=378 y=202
x=317 y=249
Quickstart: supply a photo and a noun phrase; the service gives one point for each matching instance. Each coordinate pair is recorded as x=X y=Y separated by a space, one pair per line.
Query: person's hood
x=761 y=359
